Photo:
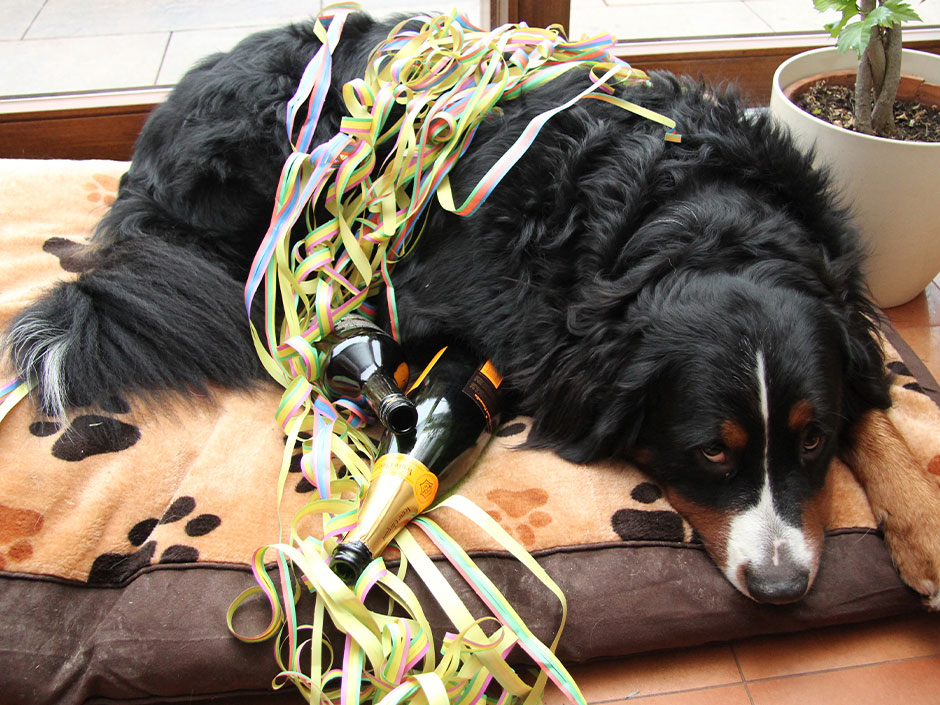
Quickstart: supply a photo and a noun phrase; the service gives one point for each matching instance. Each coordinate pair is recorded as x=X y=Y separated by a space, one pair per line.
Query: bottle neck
x=395 y=411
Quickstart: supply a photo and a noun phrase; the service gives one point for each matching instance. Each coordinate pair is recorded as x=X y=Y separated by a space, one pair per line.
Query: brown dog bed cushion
x=125 y=534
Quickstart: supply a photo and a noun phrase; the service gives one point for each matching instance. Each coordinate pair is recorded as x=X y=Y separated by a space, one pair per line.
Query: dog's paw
x=913 y=539
x=933 y=602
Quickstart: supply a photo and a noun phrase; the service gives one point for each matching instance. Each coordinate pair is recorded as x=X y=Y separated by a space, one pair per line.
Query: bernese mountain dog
x=695 y=308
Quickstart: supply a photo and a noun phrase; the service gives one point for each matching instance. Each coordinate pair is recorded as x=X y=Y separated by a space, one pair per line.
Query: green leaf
x=902 y=11
x=854 y=36
x=879 y=17
x=835 y=27
x=887 y=16
x=840 y=5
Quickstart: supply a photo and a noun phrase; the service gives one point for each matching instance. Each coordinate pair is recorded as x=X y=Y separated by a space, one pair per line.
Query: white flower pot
x=892 y=187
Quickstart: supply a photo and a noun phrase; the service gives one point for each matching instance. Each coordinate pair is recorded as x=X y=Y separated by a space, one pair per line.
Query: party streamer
x=339 y=223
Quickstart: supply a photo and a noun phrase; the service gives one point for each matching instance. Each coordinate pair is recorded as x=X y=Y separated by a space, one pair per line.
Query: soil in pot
x=832 y=98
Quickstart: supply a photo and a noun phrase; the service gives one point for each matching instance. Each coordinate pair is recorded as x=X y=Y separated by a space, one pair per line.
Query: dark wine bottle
x=458 y=402
x=365 y=360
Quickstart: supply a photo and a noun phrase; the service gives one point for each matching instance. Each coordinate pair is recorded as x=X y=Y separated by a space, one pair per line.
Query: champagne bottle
x=365 y=360
x=457 y=401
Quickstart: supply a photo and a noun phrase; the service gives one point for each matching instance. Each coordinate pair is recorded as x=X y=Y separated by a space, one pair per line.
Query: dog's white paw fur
x=933 y=602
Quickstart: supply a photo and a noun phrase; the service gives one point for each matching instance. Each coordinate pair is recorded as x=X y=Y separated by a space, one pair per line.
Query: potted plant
x=890 y=184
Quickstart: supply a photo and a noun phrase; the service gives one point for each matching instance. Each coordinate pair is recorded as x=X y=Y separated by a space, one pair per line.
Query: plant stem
x=863 y=89
x=878 y=77
x=882 y=115
x=867 y=74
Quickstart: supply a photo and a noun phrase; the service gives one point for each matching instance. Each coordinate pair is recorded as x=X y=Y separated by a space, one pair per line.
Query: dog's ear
x=866 y=378
x=618 y=408
x=612 y=436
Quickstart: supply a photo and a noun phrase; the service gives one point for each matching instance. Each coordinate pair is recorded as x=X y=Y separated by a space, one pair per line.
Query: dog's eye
x=714 y=454
x=812 y=441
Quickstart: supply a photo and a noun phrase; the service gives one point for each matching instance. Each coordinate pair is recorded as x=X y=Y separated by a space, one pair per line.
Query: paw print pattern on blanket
x=521 y=509
x=101 y=189
x=110 y=568
x=89 y=434
x=304 y=485
x=647 y=518
x=647 y=524
x=901 y=370
x=17 y=529
x=934 y=465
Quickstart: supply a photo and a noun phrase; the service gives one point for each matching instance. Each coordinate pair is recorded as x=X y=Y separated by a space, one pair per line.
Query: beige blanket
x=112 y=504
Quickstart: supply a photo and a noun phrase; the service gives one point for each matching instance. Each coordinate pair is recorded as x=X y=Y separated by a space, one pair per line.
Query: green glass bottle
x=457 y=401
x=365 y=360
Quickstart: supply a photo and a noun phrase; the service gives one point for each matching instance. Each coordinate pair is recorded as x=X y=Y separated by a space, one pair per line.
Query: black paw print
x=110 y=568
x=90 y=434
x=303 y=484
x=511 y=426
x=901 y=370
x=647 y=525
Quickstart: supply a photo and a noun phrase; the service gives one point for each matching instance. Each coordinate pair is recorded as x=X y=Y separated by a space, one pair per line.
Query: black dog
x=697 y=308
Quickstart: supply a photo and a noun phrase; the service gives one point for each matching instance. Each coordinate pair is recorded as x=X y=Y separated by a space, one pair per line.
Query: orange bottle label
x=483 y=388
x=401 y=375
x=489 y=371
x=423 y=482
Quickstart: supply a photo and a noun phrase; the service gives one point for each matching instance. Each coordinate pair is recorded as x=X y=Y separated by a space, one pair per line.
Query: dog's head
x=742 y=421
x=734 y=400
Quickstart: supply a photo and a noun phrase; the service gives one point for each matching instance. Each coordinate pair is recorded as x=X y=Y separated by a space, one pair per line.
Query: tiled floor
x=64 y=46
x=674 y=19
x=61 y=46
x=887 y=662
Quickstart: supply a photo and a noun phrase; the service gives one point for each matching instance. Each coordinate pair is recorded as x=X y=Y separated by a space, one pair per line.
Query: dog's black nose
x=777 y=584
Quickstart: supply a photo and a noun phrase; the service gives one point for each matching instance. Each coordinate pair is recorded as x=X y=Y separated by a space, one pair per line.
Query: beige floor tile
x=656 y=20
x=187 y=47
x=80 y=64
x=792 y=16
x=76 y=18
x=914 y=682
x=82 y=18
x=472 y=9
x=839 y=647
x=16 y=17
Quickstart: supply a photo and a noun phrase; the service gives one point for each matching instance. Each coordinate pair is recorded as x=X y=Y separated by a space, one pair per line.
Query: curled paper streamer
x=447 y=75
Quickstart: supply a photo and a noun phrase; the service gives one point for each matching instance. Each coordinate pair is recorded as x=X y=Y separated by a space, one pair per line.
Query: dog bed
x=125 y=534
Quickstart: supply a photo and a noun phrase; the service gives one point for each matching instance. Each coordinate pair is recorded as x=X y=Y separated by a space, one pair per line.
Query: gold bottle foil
x=401 y=488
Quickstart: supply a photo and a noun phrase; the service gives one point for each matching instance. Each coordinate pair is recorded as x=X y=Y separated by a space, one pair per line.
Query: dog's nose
x=777 y=584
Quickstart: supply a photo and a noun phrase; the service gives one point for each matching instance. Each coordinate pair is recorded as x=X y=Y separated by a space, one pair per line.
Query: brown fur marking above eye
x=800 y=415
x=733 y=435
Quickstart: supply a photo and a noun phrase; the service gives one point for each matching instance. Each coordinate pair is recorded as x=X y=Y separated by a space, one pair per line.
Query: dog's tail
x=148 y=316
